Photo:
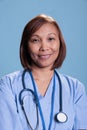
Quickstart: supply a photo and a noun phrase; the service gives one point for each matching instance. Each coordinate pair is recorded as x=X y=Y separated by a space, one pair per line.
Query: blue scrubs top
x=74 y=103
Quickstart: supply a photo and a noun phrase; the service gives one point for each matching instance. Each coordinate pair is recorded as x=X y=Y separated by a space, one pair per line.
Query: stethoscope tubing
x=60 y=87
x=38 y=106
x=34 y=98
x=60 y=92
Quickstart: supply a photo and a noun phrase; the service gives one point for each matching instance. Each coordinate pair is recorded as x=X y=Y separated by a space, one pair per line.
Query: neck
x=42 y=74
x=42 y=78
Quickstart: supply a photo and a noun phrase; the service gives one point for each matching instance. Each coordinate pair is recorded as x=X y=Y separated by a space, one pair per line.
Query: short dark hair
x=30 y=28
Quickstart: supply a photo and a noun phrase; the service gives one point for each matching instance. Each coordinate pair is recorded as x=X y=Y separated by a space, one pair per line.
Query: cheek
x=56 y=50
x=33 y=52
x=56 y=47
x=32 y=49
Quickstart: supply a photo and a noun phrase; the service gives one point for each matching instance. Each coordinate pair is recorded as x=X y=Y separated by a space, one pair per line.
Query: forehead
x=47 y=28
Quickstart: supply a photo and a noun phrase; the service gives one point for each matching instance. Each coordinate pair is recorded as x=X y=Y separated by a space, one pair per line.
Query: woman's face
x=44 y=46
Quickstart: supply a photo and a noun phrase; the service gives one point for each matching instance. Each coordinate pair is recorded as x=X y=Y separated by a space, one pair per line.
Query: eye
x=51 y=38
x=35 y=40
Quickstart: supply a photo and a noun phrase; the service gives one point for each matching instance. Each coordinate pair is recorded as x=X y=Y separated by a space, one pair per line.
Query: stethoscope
x=59 y=117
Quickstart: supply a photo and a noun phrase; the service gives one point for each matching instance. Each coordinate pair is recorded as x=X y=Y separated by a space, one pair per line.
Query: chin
x=43 y=66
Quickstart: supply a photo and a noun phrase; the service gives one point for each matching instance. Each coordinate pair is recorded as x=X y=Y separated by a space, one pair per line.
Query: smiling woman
x=35 y=33
x=37 y=98
x=44 y=46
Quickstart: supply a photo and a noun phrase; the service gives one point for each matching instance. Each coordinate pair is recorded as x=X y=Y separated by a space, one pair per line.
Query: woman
x=39 y=98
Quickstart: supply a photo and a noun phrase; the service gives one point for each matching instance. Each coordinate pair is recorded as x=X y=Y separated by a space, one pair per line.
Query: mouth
x=44 y=57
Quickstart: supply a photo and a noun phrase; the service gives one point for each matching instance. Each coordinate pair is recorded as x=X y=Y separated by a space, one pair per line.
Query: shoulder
x=11 y=76
x=72 y=85
x=70 y=80
x=10 y=79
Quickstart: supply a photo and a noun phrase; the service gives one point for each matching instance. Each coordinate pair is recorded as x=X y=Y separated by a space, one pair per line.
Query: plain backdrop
x=71 y=16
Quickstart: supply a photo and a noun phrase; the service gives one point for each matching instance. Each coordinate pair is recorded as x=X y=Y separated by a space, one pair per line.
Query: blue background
x=72 y=18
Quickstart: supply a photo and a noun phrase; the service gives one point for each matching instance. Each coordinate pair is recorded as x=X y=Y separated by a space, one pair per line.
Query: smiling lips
x=44 y=57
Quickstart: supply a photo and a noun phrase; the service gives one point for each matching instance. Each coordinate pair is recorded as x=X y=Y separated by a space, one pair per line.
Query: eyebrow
x=35 y=35
x=48 y=34
x=52 y=33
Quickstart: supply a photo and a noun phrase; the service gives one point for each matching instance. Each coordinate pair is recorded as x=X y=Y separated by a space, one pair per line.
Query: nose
x=44 y=46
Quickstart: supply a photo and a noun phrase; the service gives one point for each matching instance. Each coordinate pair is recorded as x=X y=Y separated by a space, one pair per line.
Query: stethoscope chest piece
x=61 y=117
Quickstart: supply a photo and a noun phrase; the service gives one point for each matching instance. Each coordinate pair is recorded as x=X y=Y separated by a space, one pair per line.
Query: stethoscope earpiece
x=61 y=117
